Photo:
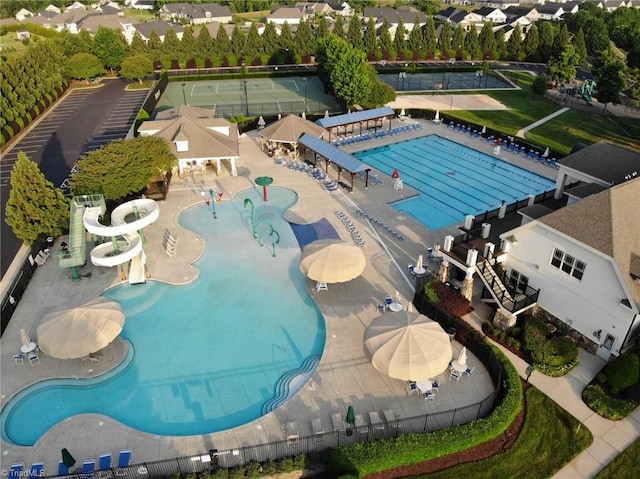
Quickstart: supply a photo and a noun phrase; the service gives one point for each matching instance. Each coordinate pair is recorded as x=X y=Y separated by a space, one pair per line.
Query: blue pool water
x=208 y=355
x=453 y=180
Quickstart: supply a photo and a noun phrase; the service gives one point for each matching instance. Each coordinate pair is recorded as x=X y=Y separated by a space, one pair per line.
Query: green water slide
x=76 y=252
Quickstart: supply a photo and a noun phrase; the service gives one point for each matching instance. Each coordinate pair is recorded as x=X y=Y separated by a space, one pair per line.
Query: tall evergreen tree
x=457 y=42
x=370 y=38
x=270 y=39
x=171 y=45
x=579 y=45
x=354 y=33
x=500 y=43
x=514 y=44
x=286 y=42
x=487 y=40
x=471 y=44
x=253 y=46
x=338 y=27
x=137 y=44
x=430 y=41
x=223 y=44
x=560 y=39
x=384 y=39
x=304 y=43
x=416 y=38
x=547 y=33
x=399 y=39
x=531 y=43
x=204 y=44
x=188 y=49
x=35 y=208
x=154 y=44
x=322 y=30
x=238 y=42
x=444 y=42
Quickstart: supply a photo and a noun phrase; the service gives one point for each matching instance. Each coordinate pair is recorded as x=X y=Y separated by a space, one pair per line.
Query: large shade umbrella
x=75 y=333
x=408 y=346
x=351 y=416
x=332 y=261
x=67 y=458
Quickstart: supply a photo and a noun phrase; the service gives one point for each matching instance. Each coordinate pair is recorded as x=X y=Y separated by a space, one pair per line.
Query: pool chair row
x=331 y=186
x=353 y=230
x=300 y=166
x=465 y=130
x=16 y=471
x=379 y=224
x=373 y=179
x=353 y=139
x=105 y=468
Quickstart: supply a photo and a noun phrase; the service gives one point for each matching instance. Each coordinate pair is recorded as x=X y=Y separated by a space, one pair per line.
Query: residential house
x=490 y=14
x=141 y=4
x=530 y=13
x=196 y=137
x=161 y=27
x=501 y=4
x=467 y=20
x=290 y=15
x=571 y=7
x=612 y=5
x=76 y=5
x=196 y=13
x=23 y=13
x=550 y=11
x=315 y=8
x=91 y=23
x=69 y=20
x=342 y=8
x=407 y=13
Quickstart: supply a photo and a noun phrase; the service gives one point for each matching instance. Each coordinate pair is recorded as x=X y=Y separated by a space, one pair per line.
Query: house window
x=568 y=264
x=518 y=280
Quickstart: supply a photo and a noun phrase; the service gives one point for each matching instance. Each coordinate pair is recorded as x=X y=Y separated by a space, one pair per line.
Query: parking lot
x=84 y=120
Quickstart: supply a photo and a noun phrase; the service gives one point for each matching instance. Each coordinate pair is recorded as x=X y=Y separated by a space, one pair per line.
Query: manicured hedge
x=368 y=458
x=623 y=372
x=606 y=406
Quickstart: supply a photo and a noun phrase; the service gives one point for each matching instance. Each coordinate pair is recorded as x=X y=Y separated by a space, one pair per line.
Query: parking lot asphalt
x=82 y=120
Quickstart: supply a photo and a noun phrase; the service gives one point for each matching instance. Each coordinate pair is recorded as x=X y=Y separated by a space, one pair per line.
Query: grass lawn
x=625 y=466
x=549 y=439
x=575 y=126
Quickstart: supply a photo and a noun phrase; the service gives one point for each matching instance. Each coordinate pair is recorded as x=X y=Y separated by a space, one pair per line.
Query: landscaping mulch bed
x=491 y=448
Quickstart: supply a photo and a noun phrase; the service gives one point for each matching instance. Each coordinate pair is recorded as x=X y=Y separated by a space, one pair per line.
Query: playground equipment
x=586 y=91
x=268 y=228
x=127 y=222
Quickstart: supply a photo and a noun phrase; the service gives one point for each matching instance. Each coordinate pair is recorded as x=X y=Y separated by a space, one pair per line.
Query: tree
x=270 y=39
x=354 y=33
x=610 y=77
x=83 y=66
x=154 y=44
x=108 y=46
x=136 y=67
x=539 y=86
x=204 y=44
x=370 y=38
x=562 y=68
x=531 y=43
x=472 y=45
x=305 y=43
x=546 y=36
x=380 y=94
x=35 y=207
x=123 y=167
x=384 y=39
x=430 y=42
x=171 y=45
x=560 y=39
x=514 y=44
x=347 y=69
x=187 y=46
x=338 y=27
x=580 y=46
x=238 y=42
x=416 y=38
x=444 y=41
x=137 y=44
x=287 y=43
x=322 y=30
x=487 y=40
x=399 y=41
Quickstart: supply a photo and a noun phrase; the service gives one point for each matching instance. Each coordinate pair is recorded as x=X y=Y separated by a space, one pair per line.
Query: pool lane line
x=384 y=246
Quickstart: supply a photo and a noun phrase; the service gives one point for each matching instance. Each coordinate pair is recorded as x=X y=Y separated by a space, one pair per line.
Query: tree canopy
x=123 y=167
x=136 y=67
x=35 y=207
x=83 y=66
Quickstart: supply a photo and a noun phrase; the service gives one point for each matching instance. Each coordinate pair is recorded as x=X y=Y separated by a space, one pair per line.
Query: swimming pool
x=453 y=180
x=209 y=356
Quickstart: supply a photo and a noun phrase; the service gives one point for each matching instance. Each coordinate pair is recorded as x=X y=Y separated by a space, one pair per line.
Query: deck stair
x=493 y=282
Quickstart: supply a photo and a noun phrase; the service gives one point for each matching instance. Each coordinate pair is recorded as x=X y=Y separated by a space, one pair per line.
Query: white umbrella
x=408 y=346
x=279 y=116
x=326 y=113
x=546 y=153
x=419 y=263
x=332 y=261
x=462 y=357
x=304 y=115
x=398 y=297
x=402 y=112
x=26 y=340
x=437 y=117
x=484 y=129
x=261 y=121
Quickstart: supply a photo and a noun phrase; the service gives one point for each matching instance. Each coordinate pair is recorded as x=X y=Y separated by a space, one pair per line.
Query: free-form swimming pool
x=453 y=180
x=208 y=355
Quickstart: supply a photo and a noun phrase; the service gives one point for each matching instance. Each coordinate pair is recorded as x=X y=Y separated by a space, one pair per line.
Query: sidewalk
x=610 y=438
x=535 y=124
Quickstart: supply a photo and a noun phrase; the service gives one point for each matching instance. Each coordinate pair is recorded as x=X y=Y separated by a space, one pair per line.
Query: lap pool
x=453 y=180
x=208 y=356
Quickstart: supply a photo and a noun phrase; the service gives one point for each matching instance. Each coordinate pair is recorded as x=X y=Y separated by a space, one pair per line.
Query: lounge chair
x=468 y=372
x=88 y=468
x=15 y=471
x=34 y=358
x=318 y=429
x=391 y=418
x=375 y=420
x=62 y=469
x=124 y=459
x=429 y=397
x=412 y=388
x=338 y=422
x=292 y=433
x=19 y=358
x=37 y=470
x=104 y=461
x=42 y=257
x=454 y=376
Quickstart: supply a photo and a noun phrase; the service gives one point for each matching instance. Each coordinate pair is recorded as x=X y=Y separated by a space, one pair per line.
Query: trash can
x=50 y=241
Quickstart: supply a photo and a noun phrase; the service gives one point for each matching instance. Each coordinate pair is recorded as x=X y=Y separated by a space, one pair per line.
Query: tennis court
x=251 y=96
x=446 y=80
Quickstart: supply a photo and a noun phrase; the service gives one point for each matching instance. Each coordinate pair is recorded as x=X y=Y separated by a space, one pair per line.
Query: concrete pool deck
x=344 y=375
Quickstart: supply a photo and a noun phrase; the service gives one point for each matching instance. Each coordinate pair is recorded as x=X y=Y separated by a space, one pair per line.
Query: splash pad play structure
x=127 y=222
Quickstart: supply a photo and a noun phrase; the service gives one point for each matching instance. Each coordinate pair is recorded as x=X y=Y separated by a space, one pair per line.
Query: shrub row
x=255 y=469
x=606 y=406
x=367 y=458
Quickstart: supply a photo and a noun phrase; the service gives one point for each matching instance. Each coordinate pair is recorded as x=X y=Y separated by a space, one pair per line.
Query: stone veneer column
x=443 y=272
x=467 y=288
x=503 y=319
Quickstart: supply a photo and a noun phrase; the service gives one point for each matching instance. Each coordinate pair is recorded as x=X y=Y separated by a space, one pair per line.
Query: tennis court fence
x=273 y=108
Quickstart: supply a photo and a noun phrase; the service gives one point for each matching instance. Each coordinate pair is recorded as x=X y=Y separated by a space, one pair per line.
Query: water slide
x=586 y=97
x=126 y=244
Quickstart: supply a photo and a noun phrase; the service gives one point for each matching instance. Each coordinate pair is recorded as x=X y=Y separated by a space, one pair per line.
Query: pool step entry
x=298 y=376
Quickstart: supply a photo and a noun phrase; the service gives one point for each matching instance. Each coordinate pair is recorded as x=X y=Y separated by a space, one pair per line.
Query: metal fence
x=214 y=458
x=273 y=108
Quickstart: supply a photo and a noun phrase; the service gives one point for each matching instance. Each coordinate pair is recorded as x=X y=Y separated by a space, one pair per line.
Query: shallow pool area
x=208 y=356
x=453 y=180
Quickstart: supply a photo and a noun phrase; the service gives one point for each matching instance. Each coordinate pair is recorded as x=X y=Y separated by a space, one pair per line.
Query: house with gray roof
x=393 y=15
x=342 y=8
x=196 y=137
x=161 y=27
x=196 y=13
x=550 y=11
x=585 y=261
x=490 y=14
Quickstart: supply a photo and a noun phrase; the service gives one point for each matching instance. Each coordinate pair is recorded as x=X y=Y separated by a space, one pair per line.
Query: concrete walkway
x=610 y=438
x=535 y=124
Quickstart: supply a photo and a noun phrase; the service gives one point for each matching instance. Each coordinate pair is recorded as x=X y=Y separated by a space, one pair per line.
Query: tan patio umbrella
x=408 y=346
x=332 y=261
x=75 y=333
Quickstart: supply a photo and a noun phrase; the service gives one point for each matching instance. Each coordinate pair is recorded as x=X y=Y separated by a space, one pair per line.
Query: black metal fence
x=214 y=458
x=274 y=108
